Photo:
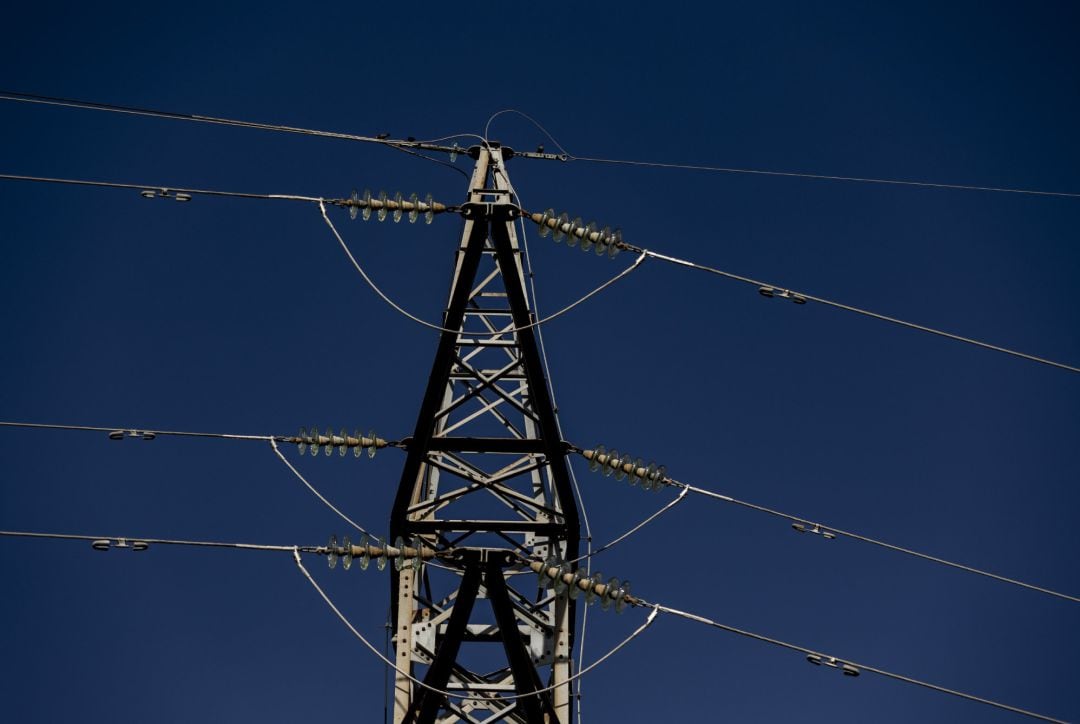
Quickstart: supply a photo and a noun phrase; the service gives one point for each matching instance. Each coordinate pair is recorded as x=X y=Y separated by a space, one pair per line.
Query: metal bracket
x=490 y=210
x=487 y=556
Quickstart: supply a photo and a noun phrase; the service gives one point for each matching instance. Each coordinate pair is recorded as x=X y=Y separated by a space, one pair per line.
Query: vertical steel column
x=485 y=479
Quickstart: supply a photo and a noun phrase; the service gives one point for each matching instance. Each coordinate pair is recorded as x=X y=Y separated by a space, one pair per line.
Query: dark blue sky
x=244 y=316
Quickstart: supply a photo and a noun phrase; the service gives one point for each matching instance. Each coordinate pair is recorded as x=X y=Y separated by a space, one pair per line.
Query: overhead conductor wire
x=657 y=608
x=160 y=541
x=856 y=310
x=327 y=503
x=6 y=95
x=405 y=146
x=447 y=164
x=615 y=541
x=836 y=661
x=133 y=110
x=807 y=297
x=157 y=187
x=162 y=433
x=817 y=526
x=322 y=206
x=531 y=120
x=685 y=487
x=272 y=439
x=826 y=177
x=786 y=174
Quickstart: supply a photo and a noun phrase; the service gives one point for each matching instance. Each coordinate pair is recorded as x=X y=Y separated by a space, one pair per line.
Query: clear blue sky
x=244 y=316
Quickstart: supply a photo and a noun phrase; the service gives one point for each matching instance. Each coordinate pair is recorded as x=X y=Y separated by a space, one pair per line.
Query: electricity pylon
x=486 y=478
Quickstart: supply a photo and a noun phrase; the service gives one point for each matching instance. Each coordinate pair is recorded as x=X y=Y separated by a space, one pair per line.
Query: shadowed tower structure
x=486 y=479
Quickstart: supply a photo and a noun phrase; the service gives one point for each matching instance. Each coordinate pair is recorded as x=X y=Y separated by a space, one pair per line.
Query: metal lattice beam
x=486 y=477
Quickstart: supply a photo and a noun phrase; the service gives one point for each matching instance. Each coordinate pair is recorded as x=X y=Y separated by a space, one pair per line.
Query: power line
x=609 y=463
x=844 y=664
x=768 y=289
x=160 y=541
x=142 y=432
x=644 y=253
x=447 y=164
x=817 y=527
x=826 y=177
x=173 y=191
x=315 y=440
x=558 y=572
x=402 y=144
x=785 y=174
x=530 y=119
x=414 y=207
x=615 y=541
x=6 y=95
x=327 y=503
x=656 y=607
x=614 y=242
x=121 y=432
x=273 y=440
x=170 y=189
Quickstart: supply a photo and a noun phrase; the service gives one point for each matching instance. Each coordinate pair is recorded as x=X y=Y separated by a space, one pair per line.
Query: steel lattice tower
x=486 y=478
